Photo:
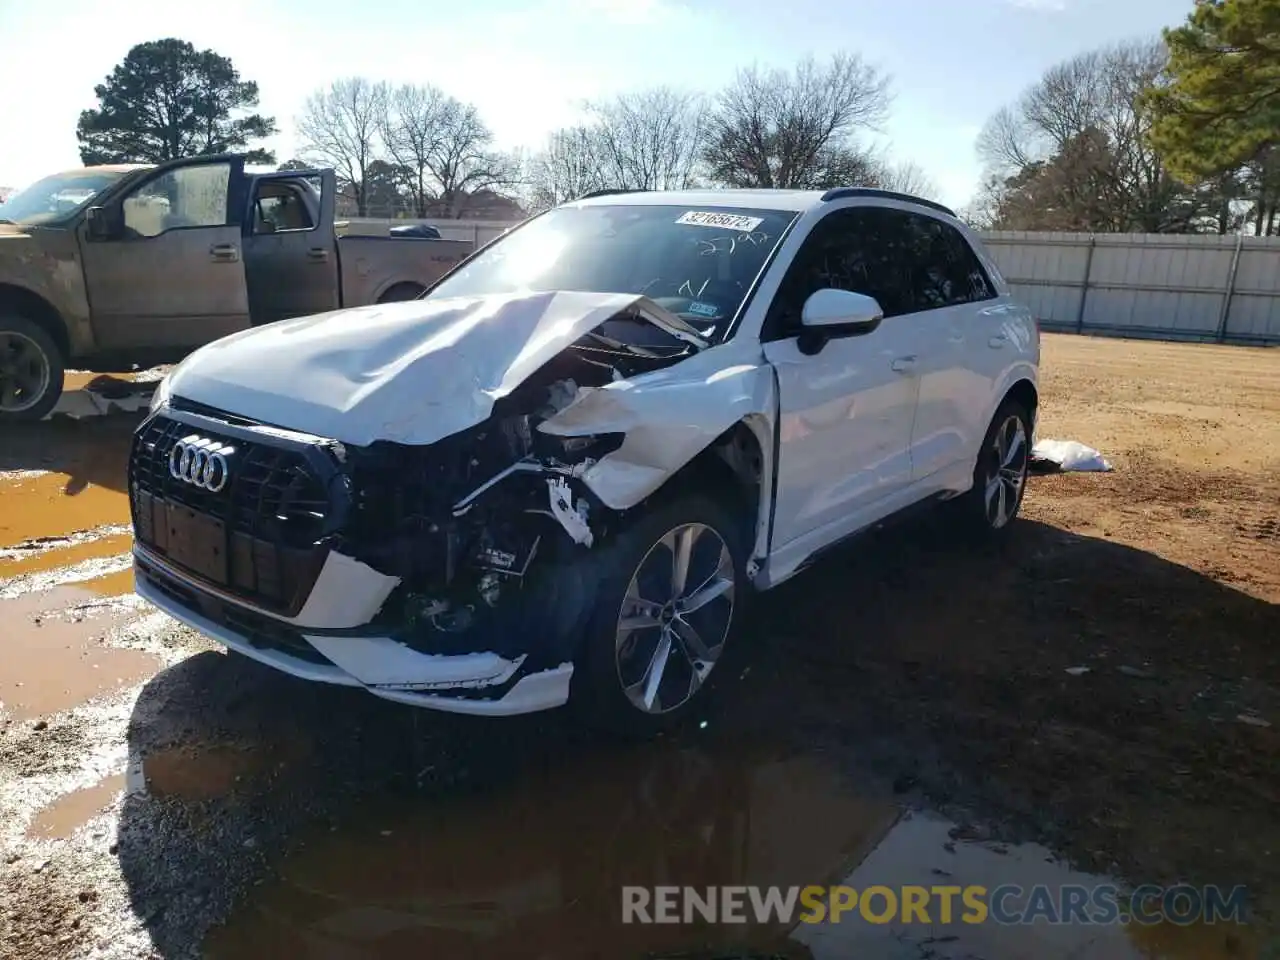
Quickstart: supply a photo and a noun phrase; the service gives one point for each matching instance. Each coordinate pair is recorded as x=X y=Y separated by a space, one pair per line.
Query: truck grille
x=259 y=536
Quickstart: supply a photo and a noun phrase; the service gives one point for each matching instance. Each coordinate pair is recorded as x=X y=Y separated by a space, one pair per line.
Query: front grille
x=261 y=534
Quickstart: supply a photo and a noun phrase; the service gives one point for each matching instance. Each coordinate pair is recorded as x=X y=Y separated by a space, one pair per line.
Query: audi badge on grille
x=201 y=462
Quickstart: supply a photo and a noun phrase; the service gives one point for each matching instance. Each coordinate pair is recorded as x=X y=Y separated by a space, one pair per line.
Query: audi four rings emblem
x=201 y=462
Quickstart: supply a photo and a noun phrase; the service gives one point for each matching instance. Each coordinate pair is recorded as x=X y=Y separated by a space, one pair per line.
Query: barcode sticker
x=725 y=221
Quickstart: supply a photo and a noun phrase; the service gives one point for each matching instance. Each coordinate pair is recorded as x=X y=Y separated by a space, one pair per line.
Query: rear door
x=174 y=277
x=291 y=260
x=957 y=336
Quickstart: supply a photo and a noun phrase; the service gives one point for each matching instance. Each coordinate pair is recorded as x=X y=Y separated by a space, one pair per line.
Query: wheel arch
x=1025 y=393
x=38 y=310
x=402 y=286
x=739 y=460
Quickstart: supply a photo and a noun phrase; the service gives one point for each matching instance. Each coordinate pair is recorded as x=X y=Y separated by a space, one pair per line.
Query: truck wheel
x=668 y=606
x=401 y=291
x=31 y=369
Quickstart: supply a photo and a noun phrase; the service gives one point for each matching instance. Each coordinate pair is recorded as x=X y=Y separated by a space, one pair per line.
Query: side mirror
x=102 y=223
x=831 y=313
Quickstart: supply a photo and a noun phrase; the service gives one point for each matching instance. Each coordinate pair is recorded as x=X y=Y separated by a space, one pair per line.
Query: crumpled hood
x=411 y=372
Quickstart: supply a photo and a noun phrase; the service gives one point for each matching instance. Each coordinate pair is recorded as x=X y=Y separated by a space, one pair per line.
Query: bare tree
x=648 y=140
x=1073 y=151
x=905 y=177
x=413 y=127
x=770 y=128
x=568 y=167
x=462 y=161
x=339 y=127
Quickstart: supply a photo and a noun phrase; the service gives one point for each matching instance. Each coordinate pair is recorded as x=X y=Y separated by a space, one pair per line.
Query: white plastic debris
x=1071 y=455
x=573 y=521
x=1077 y=671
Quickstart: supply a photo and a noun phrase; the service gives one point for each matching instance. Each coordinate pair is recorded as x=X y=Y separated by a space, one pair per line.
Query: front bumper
x=482 y=683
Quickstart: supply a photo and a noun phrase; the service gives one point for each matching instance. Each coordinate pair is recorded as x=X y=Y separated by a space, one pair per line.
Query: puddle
x=537 y=871
x=116 y=584
x=52 y=658
x=208 y=771
x=41 y=557
x=920 y=851
x=62 y=476
x=191 y=773
x=61 y=818
x=56 y=504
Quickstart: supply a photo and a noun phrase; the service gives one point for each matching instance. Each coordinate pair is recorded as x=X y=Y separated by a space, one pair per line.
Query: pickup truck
x=561 y=475
x=117 y=265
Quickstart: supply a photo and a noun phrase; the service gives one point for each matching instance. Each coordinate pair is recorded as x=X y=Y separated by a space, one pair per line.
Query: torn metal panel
x=411 y=372
x=570 y=516
x=668 y=417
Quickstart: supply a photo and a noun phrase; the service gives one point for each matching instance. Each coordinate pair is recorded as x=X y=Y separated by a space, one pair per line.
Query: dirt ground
x=1107 y=685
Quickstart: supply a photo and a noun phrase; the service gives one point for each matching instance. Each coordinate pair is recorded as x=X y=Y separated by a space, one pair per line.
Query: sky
x=528 y=66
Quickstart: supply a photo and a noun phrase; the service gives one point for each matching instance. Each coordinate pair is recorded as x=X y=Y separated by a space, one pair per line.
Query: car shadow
x=919 y=665
x=1081 y=692
x=89 y=451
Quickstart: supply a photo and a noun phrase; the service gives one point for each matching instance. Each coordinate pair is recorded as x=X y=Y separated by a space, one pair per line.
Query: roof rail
x=604 y=193
x=842 y=193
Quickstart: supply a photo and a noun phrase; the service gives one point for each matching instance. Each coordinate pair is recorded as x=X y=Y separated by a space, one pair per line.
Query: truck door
x=162 y=262
x=291 y=259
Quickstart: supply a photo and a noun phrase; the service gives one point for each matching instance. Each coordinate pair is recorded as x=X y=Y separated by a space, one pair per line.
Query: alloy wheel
x=1006 y=473
x=24 y=372
x=675 y=618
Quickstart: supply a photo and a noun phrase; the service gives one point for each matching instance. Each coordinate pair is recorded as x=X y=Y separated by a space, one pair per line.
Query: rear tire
x=400 y=292
x=31 y=370
x=657 y=643
x=1000 y=475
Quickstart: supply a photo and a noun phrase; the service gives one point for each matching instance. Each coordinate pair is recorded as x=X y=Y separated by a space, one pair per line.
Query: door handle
x=224 y=252
x=998 y=341
x=903 y=364
x=319 y=254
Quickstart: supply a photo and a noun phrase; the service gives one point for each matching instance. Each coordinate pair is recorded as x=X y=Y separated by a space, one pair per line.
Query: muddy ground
x=160 y=799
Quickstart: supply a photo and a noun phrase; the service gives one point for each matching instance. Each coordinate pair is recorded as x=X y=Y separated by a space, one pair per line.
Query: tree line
x=1175 y=134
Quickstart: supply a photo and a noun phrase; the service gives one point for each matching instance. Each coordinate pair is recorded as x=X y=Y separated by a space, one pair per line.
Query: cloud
x=1045 y=6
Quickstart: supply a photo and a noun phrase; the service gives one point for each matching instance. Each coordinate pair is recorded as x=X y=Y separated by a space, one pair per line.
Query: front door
x=845 y=413
x=174 y=277
x=291 y=259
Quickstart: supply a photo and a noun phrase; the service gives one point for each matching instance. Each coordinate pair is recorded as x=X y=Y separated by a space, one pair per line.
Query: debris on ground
x=1067 y=456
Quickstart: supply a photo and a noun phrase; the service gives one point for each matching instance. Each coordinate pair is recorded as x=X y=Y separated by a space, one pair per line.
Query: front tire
x=31 y=370
x=666 y=613
x=1000 y=475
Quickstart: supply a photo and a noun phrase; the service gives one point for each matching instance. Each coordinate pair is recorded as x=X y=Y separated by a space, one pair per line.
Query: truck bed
x=371 y=265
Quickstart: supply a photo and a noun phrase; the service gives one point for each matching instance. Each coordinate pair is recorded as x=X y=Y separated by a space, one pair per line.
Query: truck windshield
x=698 y=263
x=56 y=197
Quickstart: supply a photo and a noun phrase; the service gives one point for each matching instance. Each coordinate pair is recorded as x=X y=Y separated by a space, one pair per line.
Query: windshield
x=56 y=197
x=697 y=263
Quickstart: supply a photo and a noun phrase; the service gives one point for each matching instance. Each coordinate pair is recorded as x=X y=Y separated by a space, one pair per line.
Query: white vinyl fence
x=1166 y=286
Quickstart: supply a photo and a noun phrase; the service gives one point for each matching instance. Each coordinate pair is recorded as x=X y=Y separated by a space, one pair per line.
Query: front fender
x=668 y=417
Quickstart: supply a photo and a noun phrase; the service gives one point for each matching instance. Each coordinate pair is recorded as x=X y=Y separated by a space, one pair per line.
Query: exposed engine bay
x=482 y=527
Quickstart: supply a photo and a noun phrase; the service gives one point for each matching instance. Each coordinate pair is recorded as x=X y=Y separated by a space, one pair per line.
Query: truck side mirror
x=103 y=223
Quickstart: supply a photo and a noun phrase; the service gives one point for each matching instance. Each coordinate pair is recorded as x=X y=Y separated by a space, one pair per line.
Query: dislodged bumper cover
x=412 y=372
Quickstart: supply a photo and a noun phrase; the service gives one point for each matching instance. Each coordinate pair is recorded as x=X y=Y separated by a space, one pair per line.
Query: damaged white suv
x=559 y=474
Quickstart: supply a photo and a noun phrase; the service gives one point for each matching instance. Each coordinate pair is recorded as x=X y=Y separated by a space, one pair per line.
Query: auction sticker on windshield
x=727 y=221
